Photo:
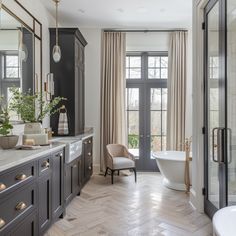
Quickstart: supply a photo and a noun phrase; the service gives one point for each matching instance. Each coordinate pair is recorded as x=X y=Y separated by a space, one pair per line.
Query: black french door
x=220 y=105
x=146 y=102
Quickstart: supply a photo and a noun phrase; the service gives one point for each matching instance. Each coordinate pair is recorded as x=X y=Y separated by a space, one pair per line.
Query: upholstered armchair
x=118 y=158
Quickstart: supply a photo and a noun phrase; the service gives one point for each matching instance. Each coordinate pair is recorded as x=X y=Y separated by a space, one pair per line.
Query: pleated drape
x=113 y=124
x=177 y=91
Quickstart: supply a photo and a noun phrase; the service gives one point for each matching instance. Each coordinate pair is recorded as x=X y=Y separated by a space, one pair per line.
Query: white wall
x=92 y=85
x=9 y=39
x=150 y=41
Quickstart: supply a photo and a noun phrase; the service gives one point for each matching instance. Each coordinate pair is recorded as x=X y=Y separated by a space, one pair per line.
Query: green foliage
x=32 y=107
x=133 y=141
x=5 y=126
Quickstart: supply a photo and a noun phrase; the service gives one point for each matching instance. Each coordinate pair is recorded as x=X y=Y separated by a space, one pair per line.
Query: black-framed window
x=149 y=70
x=11 y=66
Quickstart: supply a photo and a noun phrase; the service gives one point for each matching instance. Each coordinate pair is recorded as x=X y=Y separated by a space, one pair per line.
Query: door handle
x=214 y=145
x=219 y=145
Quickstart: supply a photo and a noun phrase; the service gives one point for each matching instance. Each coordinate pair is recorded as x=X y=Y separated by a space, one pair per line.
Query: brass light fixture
x=56 y=52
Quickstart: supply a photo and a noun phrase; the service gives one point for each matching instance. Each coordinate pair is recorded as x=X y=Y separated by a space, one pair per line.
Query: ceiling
x=142 y=14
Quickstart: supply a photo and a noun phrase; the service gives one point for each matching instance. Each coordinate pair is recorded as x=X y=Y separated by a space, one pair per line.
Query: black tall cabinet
x=69 y=77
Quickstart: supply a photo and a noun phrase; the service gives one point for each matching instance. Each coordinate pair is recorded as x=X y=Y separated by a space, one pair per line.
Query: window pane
x=12 y=73
x=12 y=61
x=127 y=61
x=155 y=122
x=164 y=119
x=133 y=122
x=153 y=61
x=164 y=73
x=164 y=61
x=127 y=73
x=133 y=99
x=135 y=73
x=155 y=143
x=164 y=99
x=163 y=143
x=135 y=62
x=153 y=73
x=155 y=99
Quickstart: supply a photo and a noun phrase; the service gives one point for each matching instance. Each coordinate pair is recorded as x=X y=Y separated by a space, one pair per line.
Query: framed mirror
x=20 y=51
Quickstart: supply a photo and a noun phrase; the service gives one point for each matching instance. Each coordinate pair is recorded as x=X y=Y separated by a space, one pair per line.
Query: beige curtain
x=113 y=125
x=177 y=91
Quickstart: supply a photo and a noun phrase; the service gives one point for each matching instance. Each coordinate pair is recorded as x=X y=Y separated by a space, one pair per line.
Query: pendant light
x=56 y=52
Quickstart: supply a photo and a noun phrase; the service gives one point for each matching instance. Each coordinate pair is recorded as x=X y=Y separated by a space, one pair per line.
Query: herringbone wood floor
x=125 y=208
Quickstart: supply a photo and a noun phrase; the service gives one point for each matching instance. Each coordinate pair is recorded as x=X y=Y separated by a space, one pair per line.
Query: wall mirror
x=20 y=52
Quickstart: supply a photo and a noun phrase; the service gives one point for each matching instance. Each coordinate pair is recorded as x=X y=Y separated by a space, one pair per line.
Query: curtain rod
x=144 y=31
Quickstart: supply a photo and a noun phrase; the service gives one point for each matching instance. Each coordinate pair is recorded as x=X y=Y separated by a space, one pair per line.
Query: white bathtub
x=172 y=167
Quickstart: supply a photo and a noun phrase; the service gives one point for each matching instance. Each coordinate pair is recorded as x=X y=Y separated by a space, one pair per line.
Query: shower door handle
x=220 y=145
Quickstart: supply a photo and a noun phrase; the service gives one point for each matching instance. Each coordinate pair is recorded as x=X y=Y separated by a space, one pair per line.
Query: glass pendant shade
x=56 y=53
x=23 y=51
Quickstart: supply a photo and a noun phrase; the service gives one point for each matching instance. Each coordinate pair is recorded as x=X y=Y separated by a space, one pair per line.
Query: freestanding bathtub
x=172 y=167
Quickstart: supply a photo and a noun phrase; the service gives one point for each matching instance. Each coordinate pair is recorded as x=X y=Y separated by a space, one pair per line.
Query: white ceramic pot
x=33 y=128
x=8 y=142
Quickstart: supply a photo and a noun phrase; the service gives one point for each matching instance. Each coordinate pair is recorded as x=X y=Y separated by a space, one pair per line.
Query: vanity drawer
x=16 y=178
x=16 y=206
x=44 y=165
x=88 y=146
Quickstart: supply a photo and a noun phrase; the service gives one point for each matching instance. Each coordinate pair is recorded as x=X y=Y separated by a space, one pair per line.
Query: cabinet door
x=57 y=184
x=68 y=190
x=28 y=227
x=44 y=210
x=75 y=176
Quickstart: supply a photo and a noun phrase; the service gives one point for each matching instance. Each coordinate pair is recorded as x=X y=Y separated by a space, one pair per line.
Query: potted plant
x=7 y=140
x=32 y=108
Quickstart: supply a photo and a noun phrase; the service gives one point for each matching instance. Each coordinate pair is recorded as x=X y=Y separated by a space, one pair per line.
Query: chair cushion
x=122 y=163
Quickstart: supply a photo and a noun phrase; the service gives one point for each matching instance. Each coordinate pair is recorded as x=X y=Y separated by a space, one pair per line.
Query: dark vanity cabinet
x=35 y=194
x=32 y=196
x=79 y=171
x=69 y=77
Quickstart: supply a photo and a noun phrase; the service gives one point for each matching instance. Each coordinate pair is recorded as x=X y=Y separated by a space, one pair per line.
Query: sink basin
x=224 y=222
x=73 y=149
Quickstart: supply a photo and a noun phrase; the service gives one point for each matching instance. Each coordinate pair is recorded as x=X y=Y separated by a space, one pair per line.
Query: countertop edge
x=31 y=157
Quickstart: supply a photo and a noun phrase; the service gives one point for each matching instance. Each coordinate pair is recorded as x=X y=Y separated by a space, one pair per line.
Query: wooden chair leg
x=106 y=172
x=112 y=172
x=135 y=175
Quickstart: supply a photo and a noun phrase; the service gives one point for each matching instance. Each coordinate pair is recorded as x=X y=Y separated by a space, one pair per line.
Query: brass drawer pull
x=89 y=154
x=2 y=187
x=21 y=177
x=74 y=166
x=90 y=168
x=89 y=141
x=85 y=142
x=45 y=164
x=20 y=206
x=2 y=223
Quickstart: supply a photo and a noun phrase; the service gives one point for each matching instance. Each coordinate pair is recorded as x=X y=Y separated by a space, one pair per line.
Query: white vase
x=33 y=128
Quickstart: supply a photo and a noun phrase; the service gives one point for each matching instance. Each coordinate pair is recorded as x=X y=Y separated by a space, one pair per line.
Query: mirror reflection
x=16 y=57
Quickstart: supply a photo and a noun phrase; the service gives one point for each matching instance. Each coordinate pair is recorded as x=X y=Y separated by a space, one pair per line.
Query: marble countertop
x=14 y=157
